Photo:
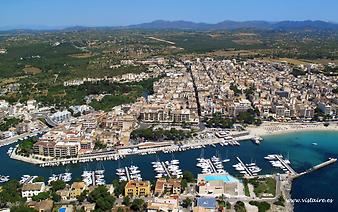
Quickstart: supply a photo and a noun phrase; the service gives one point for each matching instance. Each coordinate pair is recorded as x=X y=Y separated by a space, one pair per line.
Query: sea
x=303 y=149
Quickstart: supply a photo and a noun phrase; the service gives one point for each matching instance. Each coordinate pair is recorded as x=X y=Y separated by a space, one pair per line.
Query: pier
x=166 y=169
x=287 y=166
x=319 y=166
x=127 y=173
x=245 y=167
x=212 y=166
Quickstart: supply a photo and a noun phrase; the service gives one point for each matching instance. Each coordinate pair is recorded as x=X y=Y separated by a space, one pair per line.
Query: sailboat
x=226 y=160
x=100 y=168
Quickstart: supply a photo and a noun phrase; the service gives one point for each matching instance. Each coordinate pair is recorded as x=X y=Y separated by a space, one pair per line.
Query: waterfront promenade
x=115 y=154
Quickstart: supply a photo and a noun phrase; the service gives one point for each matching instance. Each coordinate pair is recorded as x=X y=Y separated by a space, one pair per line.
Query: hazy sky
x=124 y=12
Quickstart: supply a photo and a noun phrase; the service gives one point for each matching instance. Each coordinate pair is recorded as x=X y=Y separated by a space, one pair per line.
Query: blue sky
x=125 y=12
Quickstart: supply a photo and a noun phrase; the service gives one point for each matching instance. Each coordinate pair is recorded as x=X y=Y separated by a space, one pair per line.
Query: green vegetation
x=103 y=200
x=228 y=205
x=57 y=185
x=8 y=123
x=119 y=187
x=22 y=208
x=160 y=134
x=188 y=177
x=82 y=196
x=297 y=72
x=224 y=204
x=115 y=94
x=39 y=179
x=235 y=89
x=108 y=102
x=40 y=196
x=280 y=201
x=56 y=197
x=239 y=206
x=187 y=202
x=99 y=145
x=219 y=121
x=246 y=187
x=264 y=186
x=26 y=147
x=10 y=193
x=126 y=201
x=330 y=71
x=248 y=117
x=138 y=205
x=262 y=206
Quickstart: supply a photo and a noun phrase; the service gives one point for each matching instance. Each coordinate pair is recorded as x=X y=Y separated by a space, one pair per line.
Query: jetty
x=212 y=166
x=165 y=169
x=245 y=167
x=127 y=172
x=319 y=166
x=287 y=166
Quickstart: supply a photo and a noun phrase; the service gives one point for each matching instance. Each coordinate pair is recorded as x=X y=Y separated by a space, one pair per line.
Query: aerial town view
x=148 y=105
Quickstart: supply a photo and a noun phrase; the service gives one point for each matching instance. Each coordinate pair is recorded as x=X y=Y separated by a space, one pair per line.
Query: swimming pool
x=225 y=178
x=62 y=209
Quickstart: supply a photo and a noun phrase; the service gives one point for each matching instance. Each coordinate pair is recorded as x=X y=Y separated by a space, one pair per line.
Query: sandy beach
x=274 y=128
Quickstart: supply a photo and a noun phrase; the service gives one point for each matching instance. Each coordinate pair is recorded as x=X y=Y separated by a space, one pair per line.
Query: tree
x=118 y=187
x=10 y=193
x=56 y=197
x=188 y=176
x=57 y=185
x=39 y=179
x=187 y=202
x=22 y=208
x=82 y=196
x=103 y=200
x=126 y=201
x=40 y=196
x=184 y=184
x=239 y=206
x=138 y=205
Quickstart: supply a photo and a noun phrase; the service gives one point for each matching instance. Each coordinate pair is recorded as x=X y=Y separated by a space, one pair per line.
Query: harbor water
x=303 y=149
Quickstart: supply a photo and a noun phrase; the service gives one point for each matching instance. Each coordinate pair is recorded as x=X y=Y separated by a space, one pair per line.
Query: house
x=137 y=188
x=171 y=186
x=42 y=206
x=76 y=189
x=64 y=194
x=163 y=204
x=217 y=184
x=208 y=203
x=87 y=207
x=32 y=189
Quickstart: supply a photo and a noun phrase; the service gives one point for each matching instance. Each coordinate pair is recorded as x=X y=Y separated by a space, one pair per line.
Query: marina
x=247 y=152
x=167 y=169
x=250 y=169
x=279 y=162
x=129 y=173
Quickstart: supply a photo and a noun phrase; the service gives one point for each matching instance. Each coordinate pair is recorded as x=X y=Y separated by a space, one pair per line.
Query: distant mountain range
x=231 y=25
x=188 y=25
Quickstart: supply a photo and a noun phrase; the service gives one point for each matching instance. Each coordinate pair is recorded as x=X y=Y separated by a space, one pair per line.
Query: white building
x=61 y=116
x=32 y=189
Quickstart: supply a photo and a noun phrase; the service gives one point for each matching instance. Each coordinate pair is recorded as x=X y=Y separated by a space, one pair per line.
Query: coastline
x=276 y=128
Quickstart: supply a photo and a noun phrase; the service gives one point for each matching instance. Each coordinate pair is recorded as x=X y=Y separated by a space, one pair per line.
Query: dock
x=166 y=169
x=245 y=167
x=127 y=173
x=212 y=166
x=287 y=166
x=319 y=166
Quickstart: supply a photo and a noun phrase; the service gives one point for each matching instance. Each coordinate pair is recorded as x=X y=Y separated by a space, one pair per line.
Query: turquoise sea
x=298 y=146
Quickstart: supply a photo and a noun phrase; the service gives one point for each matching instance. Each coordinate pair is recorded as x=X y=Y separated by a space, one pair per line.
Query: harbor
x=210 y=138
x=248 y=152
